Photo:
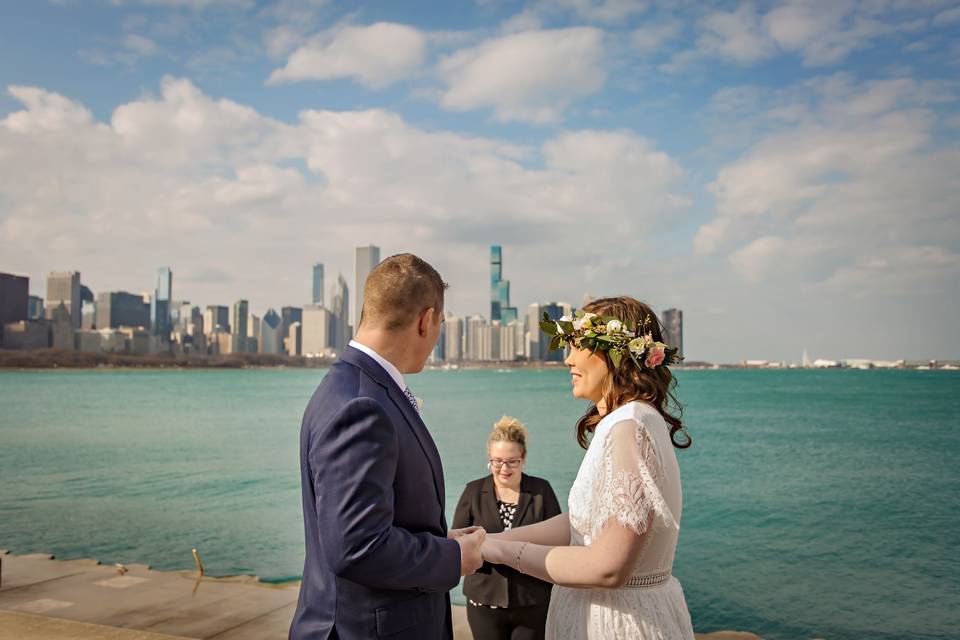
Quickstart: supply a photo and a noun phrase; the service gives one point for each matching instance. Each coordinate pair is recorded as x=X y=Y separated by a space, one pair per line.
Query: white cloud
x=735 y=35
x=607 y=11
x=821 y=33
x=375 y=55
x=947 y=17
x=294 y=21
x=754 y=260
x=140 y=45
x=650 y=38
x=282 y=39
x=197 y=5
x=531 y=76
x=185 y=126
x=861 y=186
x=214 y=187
x=45 y=111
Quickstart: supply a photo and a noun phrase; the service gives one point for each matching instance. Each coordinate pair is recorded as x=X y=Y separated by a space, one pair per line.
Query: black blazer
x=498 y=584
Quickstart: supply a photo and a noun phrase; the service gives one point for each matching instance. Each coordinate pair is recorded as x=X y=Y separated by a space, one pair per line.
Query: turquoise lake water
x=816 y=503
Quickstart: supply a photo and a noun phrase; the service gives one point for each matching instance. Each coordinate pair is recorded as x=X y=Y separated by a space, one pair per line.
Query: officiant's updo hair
x=653 y=385
x=509 y=429
x=399 y=289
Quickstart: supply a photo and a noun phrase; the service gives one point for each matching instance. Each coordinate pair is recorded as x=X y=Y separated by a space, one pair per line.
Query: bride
x=611 y=556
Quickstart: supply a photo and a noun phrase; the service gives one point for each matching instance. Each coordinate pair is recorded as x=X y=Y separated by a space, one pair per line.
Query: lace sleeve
x=631 y=472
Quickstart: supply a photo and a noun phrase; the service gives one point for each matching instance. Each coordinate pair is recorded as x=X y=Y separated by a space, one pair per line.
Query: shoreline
x=38 y=590
x=58 y=359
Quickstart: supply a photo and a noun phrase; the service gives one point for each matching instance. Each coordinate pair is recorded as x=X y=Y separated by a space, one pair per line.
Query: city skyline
x=121 y=322
x=783 y=173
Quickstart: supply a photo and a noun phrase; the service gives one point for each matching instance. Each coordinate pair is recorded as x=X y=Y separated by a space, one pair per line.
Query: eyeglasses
x=509 y=464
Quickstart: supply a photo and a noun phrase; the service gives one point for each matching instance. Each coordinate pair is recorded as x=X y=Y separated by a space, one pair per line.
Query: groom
x=379 y=558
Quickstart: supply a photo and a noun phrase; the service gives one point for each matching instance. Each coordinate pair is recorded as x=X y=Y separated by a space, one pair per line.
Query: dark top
x=498 y=584
x=378 y=562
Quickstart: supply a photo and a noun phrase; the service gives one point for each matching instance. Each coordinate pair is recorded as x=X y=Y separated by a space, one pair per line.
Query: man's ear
x=424 y=323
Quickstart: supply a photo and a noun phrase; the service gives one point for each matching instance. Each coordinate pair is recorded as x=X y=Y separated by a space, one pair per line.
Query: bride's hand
x=493 y=550
x=453 y=534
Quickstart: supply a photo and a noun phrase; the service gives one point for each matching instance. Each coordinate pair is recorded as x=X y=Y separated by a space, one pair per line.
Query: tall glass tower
x=318 y=283
x=340 y=307
x=500 y=308
x=162 y=295
x=367 y=258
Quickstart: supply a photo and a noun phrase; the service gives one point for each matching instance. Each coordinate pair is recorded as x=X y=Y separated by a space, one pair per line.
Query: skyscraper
x=271 y=341
x=533 y=332
x=216 y=317
x=318 y=284
x=316 y=330
x=116 y=309
x=160 y=304
x=340 y=308
x=453 y=338
x=367 y=258
x=476 y=342
x=555 y=310
x=14 y=294
x=34 y=308
x=500 y=308
x=673 y=327
x=289 y=316
x=238 y=325
x=64 y=286
x=63 y=333
x=439 y=353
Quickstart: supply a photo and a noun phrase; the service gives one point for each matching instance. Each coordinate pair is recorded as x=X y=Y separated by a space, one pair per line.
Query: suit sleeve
x=463 y=516
x=551 y=506
x=353 y=463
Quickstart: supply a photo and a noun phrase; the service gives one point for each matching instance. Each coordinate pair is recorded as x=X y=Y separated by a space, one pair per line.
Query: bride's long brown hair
x=628 y=382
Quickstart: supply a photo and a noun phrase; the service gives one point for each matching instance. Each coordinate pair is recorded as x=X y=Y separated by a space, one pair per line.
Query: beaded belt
x=650 y=580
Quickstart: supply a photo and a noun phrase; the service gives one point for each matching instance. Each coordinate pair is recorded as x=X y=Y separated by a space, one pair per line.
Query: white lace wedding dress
x=629 y=475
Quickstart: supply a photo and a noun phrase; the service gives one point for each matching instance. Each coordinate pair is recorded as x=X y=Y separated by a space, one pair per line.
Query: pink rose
x=655 y=357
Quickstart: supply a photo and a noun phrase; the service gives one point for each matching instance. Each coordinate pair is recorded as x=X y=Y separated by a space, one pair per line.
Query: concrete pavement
x=44 y=599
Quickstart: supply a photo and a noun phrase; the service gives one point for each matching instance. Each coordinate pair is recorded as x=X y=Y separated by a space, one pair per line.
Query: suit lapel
x=423 y=437
x=416 y=424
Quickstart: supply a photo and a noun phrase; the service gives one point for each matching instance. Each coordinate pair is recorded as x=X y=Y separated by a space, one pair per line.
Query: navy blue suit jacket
x=378 y=562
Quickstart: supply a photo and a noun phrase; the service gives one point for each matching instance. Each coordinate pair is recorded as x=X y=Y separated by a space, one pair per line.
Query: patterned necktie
x=412 y=399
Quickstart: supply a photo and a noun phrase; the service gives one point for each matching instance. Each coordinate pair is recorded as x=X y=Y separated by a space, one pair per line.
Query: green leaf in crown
x=586 y=330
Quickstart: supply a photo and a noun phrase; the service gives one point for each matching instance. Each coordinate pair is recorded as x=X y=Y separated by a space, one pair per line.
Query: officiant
x=501 y=602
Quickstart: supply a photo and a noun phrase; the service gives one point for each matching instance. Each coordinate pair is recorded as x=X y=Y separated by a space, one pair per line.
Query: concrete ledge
x=42 y=598
x=22 y=626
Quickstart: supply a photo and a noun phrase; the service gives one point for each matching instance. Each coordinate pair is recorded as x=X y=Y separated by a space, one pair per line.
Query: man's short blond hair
x=398 y=290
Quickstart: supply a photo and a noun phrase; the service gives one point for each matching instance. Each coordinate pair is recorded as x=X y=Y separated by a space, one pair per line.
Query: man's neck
x=388 y=345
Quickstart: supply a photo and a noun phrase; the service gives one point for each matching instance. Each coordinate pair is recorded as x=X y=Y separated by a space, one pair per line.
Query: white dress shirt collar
x=383 y=362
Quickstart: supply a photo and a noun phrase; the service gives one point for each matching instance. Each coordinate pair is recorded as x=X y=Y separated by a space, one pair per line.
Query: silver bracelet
x=520 y=553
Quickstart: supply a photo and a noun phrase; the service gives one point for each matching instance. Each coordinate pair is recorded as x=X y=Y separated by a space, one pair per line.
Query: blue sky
x=786 y=172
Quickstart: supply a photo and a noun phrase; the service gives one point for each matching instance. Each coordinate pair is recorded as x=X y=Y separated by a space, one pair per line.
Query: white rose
x=578 y=324
x=614 y=326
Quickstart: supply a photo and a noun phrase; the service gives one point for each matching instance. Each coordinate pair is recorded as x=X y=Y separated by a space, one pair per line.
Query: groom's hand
x=453 y=534
x=470 y=556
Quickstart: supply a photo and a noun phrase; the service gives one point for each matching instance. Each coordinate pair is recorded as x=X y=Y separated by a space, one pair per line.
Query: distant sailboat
x=806 y=359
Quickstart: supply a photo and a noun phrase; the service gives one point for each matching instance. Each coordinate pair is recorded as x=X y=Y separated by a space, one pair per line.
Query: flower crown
x=586 y=330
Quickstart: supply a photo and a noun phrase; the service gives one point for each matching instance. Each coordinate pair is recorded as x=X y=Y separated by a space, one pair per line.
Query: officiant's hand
x=470 y=557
